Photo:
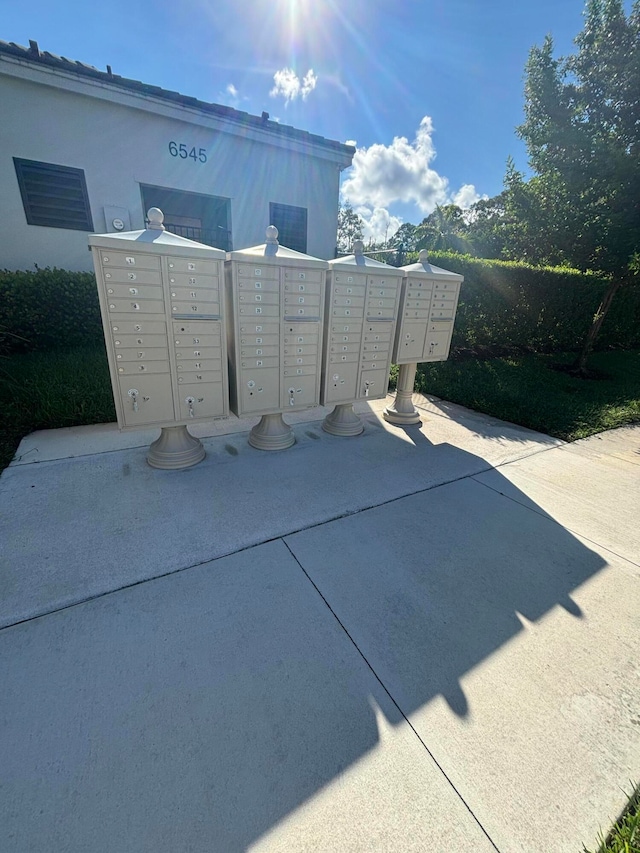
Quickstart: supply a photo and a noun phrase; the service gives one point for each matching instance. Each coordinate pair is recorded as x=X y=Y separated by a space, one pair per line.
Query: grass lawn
x=49 y=390
x=527 y=391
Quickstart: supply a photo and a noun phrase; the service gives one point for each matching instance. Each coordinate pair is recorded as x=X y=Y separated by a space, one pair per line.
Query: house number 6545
x=179 y=149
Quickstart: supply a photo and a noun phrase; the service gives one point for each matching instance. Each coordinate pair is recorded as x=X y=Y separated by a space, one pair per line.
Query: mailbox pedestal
x=176 y=448
x=427 y=313
x=272 y=433
x=343 y=421
x=361 y=312
x=403 y=412
x=163 y=319
x=275 y=299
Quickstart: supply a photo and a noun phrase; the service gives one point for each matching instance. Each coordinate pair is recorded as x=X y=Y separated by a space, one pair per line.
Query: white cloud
x=351 y=142
x=466 y=196
x=308 y=84
x=289 y=86
x=401 y=172
x=231 y=96
x=379 y=224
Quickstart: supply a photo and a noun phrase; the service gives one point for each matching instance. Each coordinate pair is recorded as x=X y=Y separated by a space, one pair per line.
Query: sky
x=429 y=91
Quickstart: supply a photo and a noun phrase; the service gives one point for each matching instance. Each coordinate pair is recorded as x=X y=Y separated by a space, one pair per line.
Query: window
x=54 y=195
x=291 y=223
x=203 y=218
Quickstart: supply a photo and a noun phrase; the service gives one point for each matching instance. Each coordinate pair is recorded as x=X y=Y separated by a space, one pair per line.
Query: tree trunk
x=580 y=364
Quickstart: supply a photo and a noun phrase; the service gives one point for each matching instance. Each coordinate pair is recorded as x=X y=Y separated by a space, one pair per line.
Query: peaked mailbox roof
x=272 y=252
x=358 y=259
x=425 y=268
x=155 y=237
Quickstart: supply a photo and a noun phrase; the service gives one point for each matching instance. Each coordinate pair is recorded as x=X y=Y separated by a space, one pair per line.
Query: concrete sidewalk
x=417 y=639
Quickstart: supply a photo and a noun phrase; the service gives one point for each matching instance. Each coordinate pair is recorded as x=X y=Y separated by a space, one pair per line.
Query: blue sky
x=430 y=90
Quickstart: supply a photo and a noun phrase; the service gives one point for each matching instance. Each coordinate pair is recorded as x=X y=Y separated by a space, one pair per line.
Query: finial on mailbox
x=423 y=256
x=358 y=247
x=272 y=235
x=155 y=218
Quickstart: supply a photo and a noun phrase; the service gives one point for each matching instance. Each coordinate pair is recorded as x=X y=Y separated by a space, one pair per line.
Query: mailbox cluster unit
x=192 y=332
x=163 y=317
x=362 y=309
x=275 y=301
x=427 y=312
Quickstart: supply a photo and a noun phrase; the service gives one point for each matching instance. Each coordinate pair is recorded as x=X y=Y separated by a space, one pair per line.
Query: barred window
x=291 y=223
x=52 y=195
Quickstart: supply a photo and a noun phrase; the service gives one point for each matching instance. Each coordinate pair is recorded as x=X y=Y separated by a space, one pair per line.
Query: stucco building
x=84 y=150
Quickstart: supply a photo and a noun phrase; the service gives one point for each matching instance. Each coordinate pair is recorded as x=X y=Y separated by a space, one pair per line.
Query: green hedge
x=503 y=307
x=49 y=309
x=517 y=306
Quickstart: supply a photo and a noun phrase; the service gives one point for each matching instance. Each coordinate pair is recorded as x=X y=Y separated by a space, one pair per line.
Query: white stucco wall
x=121 y=141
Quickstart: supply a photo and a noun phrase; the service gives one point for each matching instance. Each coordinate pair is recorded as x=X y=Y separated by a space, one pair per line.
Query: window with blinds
x=52 y=195
x=291 y=223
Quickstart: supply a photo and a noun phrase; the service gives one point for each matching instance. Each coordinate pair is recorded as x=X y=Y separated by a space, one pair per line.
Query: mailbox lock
x=133 y=393
x=190 y=401
x=292 y=401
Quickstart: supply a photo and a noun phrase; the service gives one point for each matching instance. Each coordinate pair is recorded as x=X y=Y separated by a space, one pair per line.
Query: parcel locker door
x=373 y=384
x=341 y=383
x=299 y=392
x=146 y=399
x=437 y=346
x=411 y=342
x=259 y=389
x=201 y=401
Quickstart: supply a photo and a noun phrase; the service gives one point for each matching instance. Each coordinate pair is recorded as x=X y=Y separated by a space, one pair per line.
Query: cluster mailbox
x=275 y=301
x=361 y=313
x=425 y=325
x=163 y=317
x=427 y=312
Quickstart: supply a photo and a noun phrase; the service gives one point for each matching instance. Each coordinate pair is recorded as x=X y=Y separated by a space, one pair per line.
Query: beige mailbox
x=427 y=312
x=163 y=318
x=275 y=300
x=360 y=319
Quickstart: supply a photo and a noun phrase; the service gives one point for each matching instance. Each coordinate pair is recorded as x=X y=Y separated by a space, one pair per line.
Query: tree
x=582 y=131
x=444 y=229
x=486 y=228
x=350 y=227
x=406 y=236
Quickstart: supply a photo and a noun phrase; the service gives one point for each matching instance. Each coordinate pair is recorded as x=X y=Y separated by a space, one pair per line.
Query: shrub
x=48 y=309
